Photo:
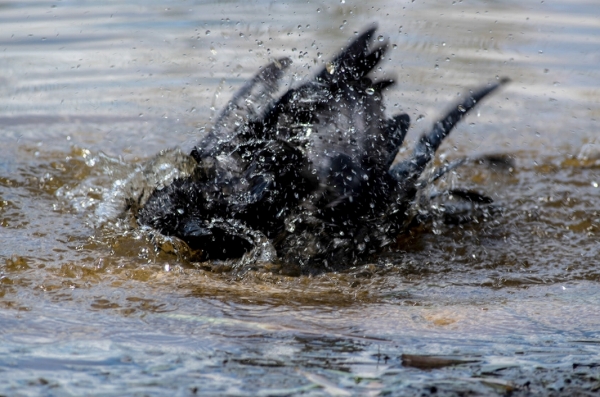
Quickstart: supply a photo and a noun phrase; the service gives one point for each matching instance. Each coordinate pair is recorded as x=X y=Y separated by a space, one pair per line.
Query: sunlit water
x=89 y=306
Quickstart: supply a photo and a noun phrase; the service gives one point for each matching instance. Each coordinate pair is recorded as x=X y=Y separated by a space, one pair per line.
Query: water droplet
x=461 y=108
x=380 y=38
x=242 y=35
x=330 y=67
x=180 y=211
x=595 y=184
x=208 y=33
x=370 y=91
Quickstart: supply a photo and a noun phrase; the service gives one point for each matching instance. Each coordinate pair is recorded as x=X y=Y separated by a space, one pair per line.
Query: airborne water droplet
x=330 y=67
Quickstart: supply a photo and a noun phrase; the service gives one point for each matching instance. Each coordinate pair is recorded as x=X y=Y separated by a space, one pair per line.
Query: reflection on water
x=89 y=305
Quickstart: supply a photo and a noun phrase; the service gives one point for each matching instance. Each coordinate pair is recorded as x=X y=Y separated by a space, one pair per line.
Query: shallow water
x=88 y=306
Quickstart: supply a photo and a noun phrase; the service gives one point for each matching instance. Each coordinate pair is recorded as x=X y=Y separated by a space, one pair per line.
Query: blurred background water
x=90 y=89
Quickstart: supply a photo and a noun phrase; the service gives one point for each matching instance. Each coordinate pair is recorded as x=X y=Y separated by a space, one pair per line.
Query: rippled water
x=88 y=306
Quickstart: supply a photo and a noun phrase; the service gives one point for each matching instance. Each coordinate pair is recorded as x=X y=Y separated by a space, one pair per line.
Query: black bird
x=310 y=173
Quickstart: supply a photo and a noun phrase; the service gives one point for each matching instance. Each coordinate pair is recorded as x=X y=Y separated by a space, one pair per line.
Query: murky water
x=88 y=306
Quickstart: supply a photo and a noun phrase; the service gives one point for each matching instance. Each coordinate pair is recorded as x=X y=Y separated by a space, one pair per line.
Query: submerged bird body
x=310 y=171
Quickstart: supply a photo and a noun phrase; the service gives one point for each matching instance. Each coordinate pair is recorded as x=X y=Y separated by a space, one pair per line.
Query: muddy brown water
x=88 y=306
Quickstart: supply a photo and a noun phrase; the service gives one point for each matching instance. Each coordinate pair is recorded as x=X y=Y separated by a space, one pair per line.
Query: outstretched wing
x=338 y=121
x=408 y=171
x=246 y=106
